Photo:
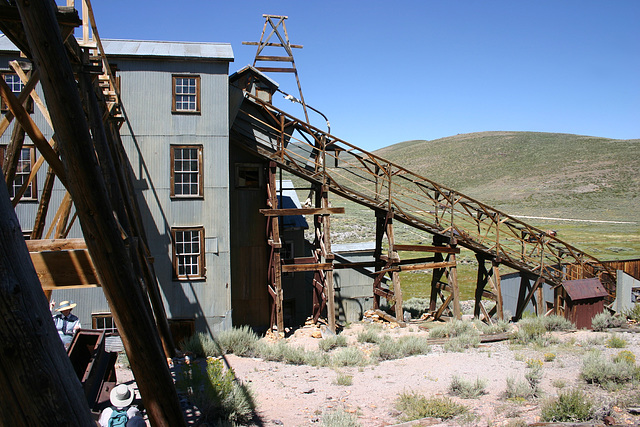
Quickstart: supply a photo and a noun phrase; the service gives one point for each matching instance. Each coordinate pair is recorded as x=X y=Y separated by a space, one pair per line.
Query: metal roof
x=165 y=49
x=154 y=49
x=584 y=289
x=6 y=45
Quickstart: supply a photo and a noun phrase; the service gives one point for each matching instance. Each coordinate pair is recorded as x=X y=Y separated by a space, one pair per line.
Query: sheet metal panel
x=163 y=49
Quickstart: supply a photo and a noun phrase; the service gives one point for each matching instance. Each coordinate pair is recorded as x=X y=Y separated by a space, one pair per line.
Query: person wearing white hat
x=66 y=323
x=121 y=412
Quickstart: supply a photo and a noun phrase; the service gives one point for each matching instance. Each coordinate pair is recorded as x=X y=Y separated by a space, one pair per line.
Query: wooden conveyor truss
x=397 y=194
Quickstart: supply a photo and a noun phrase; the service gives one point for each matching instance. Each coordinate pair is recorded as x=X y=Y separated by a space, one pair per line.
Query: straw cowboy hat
x=121 y=396
x=66 y=305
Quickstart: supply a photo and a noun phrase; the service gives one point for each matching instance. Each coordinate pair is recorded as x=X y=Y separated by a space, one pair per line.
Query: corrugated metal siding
x=146 y=87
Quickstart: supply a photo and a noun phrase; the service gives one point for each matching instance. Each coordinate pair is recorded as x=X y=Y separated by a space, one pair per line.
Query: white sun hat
x=121 y=396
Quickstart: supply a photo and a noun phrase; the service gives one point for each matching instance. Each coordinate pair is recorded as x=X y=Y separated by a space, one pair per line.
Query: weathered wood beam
x=109 y=253
x=295 y=268
x=37 y=380
x=424 y=248
x=301 y=211
x=55 y=245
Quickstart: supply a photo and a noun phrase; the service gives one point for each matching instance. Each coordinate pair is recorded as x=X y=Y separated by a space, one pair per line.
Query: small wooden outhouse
x=581 y=300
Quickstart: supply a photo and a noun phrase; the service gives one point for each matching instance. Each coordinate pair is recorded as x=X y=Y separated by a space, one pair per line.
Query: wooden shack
x=581 y=300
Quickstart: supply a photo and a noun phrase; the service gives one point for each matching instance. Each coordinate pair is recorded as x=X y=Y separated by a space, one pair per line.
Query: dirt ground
x=288 y=395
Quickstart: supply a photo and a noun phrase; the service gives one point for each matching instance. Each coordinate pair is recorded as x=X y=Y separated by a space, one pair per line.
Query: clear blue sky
x=391 y=71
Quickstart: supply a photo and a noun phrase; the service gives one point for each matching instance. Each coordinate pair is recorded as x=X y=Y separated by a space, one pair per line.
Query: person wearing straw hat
x=66 y=323
x=121 y=412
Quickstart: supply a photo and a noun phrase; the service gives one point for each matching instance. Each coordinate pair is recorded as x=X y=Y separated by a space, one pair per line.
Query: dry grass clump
x=414 y=406
x=467 y=389
x=328 y=344
x=605 y=320
x=339 y=418
x=405 y=346
x=609 y=373
x=570 y=406
x=461 y=334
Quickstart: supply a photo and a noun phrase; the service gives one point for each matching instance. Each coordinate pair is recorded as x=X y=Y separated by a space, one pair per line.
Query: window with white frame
x=23 y=171
x=186 y=94
x=103 y=322
x=188 y=252
x=186 y=171
x=14 y=83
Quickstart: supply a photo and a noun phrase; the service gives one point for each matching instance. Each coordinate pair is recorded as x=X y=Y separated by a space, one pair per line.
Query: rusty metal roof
x=584 y=289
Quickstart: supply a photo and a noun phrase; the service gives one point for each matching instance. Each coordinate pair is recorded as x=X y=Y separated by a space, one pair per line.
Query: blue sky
x=386 y=72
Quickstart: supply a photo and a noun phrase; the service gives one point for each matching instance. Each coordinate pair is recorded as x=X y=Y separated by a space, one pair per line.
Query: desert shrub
x=350 y=356
x=369 y=335
x=467 y=389
x=215 y=392
x=559 y=383
x=605 y=320
x=452 y=329
x=498 y=327
x=281 y=351
x=556 y=323
x=570 y=406
x=462 y=342
x=633 y=313
x=518 y=389
x=625 y=356
x=344 y=379
x=200 y=345
x=339 y=418
x=405 y=346
x=416 y=306
x=414 y=406
x=332 y=342
x=239 y=341
x=549 y=357
x=614 y=341
x=598 y=370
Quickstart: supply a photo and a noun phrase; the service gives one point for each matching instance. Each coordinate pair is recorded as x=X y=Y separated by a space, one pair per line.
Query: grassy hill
x=533 y=173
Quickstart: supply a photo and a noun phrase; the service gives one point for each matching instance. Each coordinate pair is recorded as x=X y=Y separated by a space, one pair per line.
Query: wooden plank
x=56 y=245
x=389 y=318
x=276 y=70
x=294 y=46
x=301 y=211
x=65 y=268
x=427 y=266
x=295 y=268
x=274 y=58
x=425 y=248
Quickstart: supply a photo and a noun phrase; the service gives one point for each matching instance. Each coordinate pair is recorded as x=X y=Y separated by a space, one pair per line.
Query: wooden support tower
x=492 y=277
x=446 y=269
x=387 y=264
x=275 y=22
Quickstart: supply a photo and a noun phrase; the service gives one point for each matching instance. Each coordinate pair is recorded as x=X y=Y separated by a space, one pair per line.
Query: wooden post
x=453 y=282
x=380 y=230
x=37 y=380
x=498 y=289
x=481 y=282
x=395 y=275
x=109 y=253
x=327 y=256
x=273 y=223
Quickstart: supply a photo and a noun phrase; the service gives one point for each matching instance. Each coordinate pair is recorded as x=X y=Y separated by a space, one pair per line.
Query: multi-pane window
x=188 y=253
x=14 y=83
x=186 y=171
x=23 y=170
x=186 y=94
x=248 y=175
x=104 y=322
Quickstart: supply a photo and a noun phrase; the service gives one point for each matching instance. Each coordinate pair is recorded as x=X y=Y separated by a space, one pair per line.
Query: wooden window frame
x=174 y=101
x=34 y=183
x=260 y=178
x=199 y=256
x=3 y=105
x=199 y=172
x=107 y=315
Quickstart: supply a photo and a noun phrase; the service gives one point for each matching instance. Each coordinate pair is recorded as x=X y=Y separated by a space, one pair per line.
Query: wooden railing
x=379 y=184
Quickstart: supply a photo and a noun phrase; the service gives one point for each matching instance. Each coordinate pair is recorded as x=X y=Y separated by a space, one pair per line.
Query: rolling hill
x=533 y=173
